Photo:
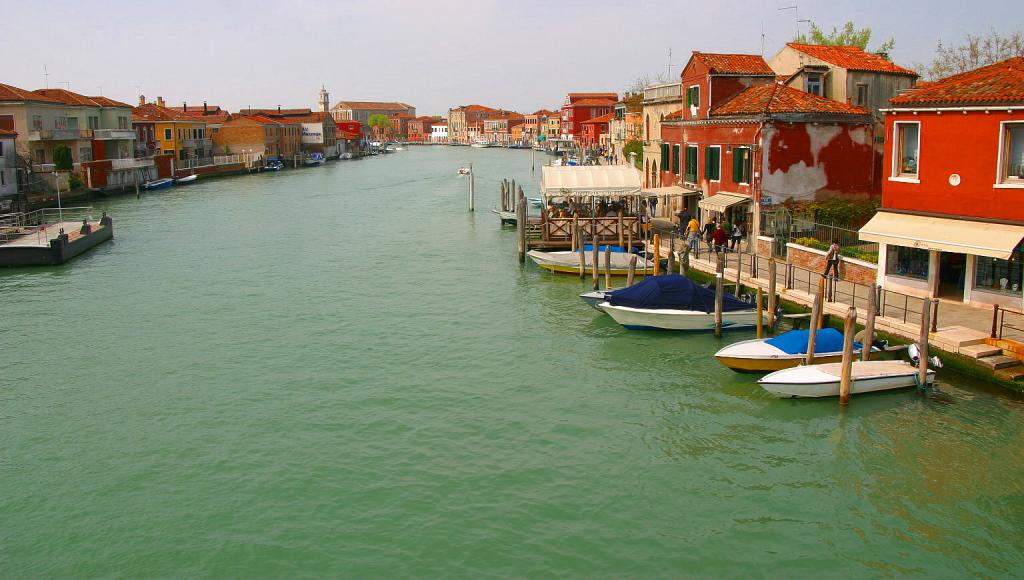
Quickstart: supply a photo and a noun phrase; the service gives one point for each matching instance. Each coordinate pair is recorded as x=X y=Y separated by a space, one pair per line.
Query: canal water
x=340 y=371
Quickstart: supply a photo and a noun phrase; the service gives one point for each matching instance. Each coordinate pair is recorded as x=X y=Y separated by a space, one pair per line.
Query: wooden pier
x=49 y=243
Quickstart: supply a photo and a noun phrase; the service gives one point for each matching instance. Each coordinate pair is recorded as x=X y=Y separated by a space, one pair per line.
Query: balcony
x=59 y=134
x=197 y=143
x=123 y=164
x=108 y=134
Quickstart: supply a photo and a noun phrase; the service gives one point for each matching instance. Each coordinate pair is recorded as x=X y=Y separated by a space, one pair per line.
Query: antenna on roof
x=67 y=85
x=46 y=77
x=669 y=68
x=762 y=39
x=100 y=87
x=796 y=13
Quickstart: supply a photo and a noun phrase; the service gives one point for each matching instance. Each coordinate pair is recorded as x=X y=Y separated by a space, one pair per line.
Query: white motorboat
x=463 y=171
x=595 y=297
x=345 y=155
x=674 y=302
x=480 y=144
x=676 y=319
x=186 y=180
x=823 y=380
x=569 y=262
x=789 y=349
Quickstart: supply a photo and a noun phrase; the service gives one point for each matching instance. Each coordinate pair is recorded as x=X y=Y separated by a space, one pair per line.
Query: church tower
x=325 y=100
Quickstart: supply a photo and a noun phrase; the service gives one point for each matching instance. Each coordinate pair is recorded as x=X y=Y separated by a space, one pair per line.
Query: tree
x=380 y=123
x=637 y=147
x=850 y=35
x=62 y=158
x=974 y=52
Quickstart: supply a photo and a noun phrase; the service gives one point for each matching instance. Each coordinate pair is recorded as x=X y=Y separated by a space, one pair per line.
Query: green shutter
x=664 y=156
x=675 y=159
x=741 y=165
x=712 y=163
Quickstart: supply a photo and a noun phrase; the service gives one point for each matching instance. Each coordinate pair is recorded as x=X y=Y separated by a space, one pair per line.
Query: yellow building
x=160 y=130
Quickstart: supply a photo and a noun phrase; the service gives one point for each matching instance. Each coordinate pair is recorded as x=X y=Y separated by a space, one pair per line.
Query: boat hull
x=568 y=262
x=158 y=184
x=669 y=319
x=822 y=380
x=595 y=298
x=753 y=365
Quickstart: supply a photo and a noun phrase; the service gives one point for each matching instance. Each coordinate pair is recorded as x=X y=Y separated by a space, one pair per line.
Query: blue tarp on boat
x=676 y=292
x=795 y=341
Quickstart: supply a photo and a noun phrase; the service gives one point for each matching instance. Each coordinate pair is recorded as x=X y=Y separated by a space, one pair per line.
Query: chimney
x=142 y=100
x=160 y=101
x=279 y=108
x=184 y=107
x=204 y=107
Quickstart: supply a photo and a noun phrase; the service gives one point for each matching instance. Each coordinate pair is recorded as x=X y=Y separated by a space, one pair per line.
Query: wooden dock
x=53 y=243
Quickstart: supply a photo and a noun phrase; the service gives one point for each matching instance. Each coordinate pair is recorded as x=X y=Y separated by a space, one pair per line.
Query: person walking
x=709 y=230
x=735 y=236
x=832 y=259
x=718 y=238
x=693 y=231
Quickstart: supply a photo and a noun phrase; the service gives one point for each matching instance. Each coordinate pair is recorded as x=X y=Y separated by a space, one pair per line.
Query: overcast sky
x=521 y=55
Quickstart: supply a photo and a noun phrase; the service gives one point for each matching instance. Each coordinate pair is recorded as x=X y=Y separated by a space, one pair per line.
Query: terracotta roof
x=370 y=105
x=614 y=96
x=441 y=122
x=219 y=118
x=105 y=102
x=851 y=58
x=1002 y=82
x=154 y=112
x=593 y=102
x=9 y=93
x=8 y=132
x=601 y=119
x=674 y=115
x=735 y=64
x=474 y=109
x=776 y=98
x=275 y=112
x=209 y=109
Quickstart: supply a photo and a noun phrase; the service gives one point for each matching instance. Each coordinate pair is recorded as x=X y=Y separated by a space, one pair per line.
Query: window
x=37 y=122
x=1011 y=153
x=664 y=155
x=713 y=163
x=168 y=151
x=906 y=262
x=693 y=96
x=907 y=149
x=1 y=148
x=73 y=123
x=675 y=159
x=60 y=123
x=691 y=164
x=2 y=182
x=94 y=122
x=84 y=154
x=862 y=95
x=167 y=134
x=1002 y=276
x=122 y=122
x=741 y=164
x=813 y=84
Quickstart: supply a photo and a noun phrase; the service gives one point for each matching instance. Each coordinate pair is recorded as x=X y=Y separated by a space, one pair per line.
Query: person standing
x=718 y=238
x=832 y=259
x=736 y=236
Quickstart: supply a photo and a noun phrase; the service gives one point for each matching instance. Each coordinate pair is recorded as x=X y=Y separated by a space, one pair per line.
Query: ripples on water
x=340 y=371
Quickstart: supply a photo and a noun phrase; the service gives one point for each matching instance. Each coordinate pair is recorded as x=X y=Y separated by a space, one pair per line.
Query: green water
x=341 y=372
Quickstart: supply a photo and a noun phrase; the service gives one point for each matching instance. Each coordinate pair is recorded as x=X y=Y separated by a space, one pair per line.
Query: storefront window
x=1003 y=276
x=906 y=262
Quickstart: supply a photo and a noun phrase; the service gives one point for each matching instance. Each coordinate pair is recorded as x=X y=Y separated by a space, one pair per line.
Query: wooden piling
x=772 y=271
x=521 y=227
x=812 y=335
x=632 y=270
x=846 y=376
x=671 y=266
x=739 y=272
x=684 y=264
x=922 y=363
x=593 y=258
x=607 y=266
x=657 y=254
x=869 y=324
x=472 y=189
x=620 y=230
x=719 y=297
x=629 y=243
x=760 y=313
x=580 y=251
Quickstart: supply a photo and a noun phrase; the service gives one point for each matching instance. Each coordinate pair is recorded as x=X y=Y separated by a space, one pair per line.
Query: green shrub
x=62 y=158
x=74 y=181
x=811 y=243
x=635 y=147
x=845 y=212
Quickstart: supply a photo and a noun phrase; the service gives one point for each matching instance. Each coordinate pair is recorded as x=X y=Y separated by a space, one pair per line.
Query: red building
x=743 y=141
x=580 y=107
x=592 y=129
x=420 y=129
x=952 y=216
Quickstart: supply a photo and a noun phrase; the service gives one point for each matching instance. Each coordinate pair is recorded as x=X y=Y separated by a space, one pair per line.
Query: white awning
x=670 y=191
x=944 y=234
x=590 y=181
x=722 y=201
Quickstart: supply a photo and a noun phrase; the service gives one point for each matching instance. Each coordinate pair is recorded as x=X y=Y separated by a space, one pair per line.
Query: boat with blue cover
x=674 y=302
x=158 y=183
x=784 y=351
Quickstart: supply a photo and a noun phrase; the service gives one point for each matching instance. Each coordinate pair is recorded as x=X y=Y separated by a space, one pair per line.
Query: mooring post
x=670 y=268
x=593 y=258
x=632 y=270
x=607 y=266
x=719 y=297
x=772 y=274
x=922 y=363
x=684 y=264
x=739 y=272
x=472 y=189
x=869 y=324
x=521 y=228
x=760 y=313
x=621 y=240
x=579 y=250
x=657 y=254
x=812 y=333
x=846 y=376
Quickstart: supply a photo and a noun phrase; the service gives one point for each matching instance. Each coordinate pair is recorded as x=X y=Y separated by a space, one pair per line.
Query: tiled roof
x=542 y=113
x=66 y=97
x=209 y=109
x=735 y=64
x=218 y=118
x=474 y=109
x=105 y=102
x=9 y=93
x=776 y=98
x=593 y=102
x=8 y=132
x=370 y=105
x=614 y=96
x=275 y=112
x=674 y=115
x=851 y=58
x=315 y=117
x=601 y=119
x=154 y=112
x=1002 y=82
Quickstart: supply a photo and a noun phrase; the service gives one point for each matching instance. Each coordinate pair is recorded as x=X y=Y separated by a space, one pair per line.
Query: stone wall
x=850 y=269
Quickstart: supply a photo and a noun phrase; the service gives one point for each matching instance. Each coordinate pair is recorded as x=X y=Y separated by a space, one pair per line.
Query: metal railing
x=13 y=225
x=1003 y=330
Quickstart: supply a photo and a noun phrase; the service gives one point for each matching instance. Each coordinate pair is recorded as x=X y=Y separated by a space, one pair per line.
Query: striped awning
x=722 y=201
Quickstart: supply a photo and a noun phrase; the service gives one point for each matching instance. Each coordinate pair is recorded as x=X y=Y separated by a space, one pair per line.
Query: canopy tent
x=943 y=234
x=590 y=181
x=722 y=201
x=673 y=292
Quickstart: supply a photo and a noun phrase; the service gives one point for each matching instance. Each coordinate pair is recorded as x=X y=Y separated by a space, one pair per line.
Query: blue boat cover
x=676 y=292
x=795 y=341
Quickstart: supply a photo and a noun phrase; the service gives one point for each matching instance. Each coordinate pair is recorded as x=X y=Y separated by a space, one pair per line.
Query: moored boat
x=480 y=144
x=158 y=183
x=273 y=164
x=314 y=159
x=186 y=180
x=789 y=349
x=463 y=171
x=823 y=380
x=569 y=262
x=595 y=297
x=675 y=302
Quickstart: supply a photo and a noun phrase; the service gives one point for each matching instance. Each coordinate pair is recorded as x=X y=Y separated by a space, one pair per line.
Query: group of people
x=719 y=237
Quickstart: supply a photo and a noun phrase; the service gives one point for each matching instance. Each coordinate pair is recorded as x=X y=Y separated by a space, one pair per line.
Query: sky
x=432 y=54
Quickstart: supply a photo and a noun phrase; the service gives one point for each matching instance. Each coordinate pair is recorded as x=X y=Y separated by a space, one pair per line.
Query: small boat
x=345 y=155
x=535 y=201
x=158 y=183
x=506 y=217
x=823 y=380
x=674 y=302
x=274 y=165
x=787 y=350
x=569 y=262
x=463 y=171
x=480 y=144
x=595 y=297
x=186 y=180
x=400 y=148
x=314 y=159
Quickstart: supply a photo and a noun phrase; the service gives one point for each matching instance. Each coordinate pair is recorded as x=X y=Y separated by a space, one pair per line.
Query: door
x=952 y=275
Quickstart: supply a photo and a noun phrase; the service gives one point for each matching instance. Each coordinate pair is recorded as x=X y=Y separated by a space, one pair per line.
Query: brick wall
x=764 y=246
x=853 y=270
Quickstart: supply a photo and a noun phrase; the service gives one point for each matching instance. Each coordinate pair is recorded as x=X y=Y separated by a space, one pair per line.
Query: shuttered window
x=713 y=163
x=691 y=164
x=675 y=159
x=664 y=156
x=741 y=165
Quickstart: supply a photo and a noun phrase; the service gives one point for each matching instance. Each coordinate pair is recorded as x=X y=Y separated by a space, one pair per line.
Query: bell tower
x=325 y=100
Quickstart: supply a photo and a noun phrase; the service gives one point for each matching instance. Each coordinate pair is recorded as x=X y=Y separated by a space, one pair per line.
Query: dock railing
x=1007 y=324
x=605 y=228
x=13 y=225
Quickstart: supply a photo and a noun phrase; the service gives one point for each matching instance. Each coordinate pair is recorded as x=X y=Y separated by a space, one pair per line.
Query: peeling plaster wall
x=808 y=161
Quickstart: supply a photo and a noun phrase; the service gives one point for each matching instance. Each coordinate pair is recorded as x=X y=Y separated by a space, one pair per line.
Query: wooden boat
x=345 y=155
x=158 y=183
x=675 y=302
x=186 y=180
x=314 y=159
x=507 y=217
x=782 y=352
x=823 y=380
x=569 y=262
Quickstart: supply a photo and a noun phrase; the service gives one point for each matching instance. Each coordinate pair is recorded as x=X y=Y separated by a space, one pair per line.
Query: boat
x=273 y=164
x=674 y=302
x=569 y=262
x=595 y=297
x=823 y=380
x=158 y=183
x=186 y=180
x=399 y=147
x=345 y=155
x=789 y=349
x=463 y=171
x=314 y=159
x=535 y=201
x=480 y=144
